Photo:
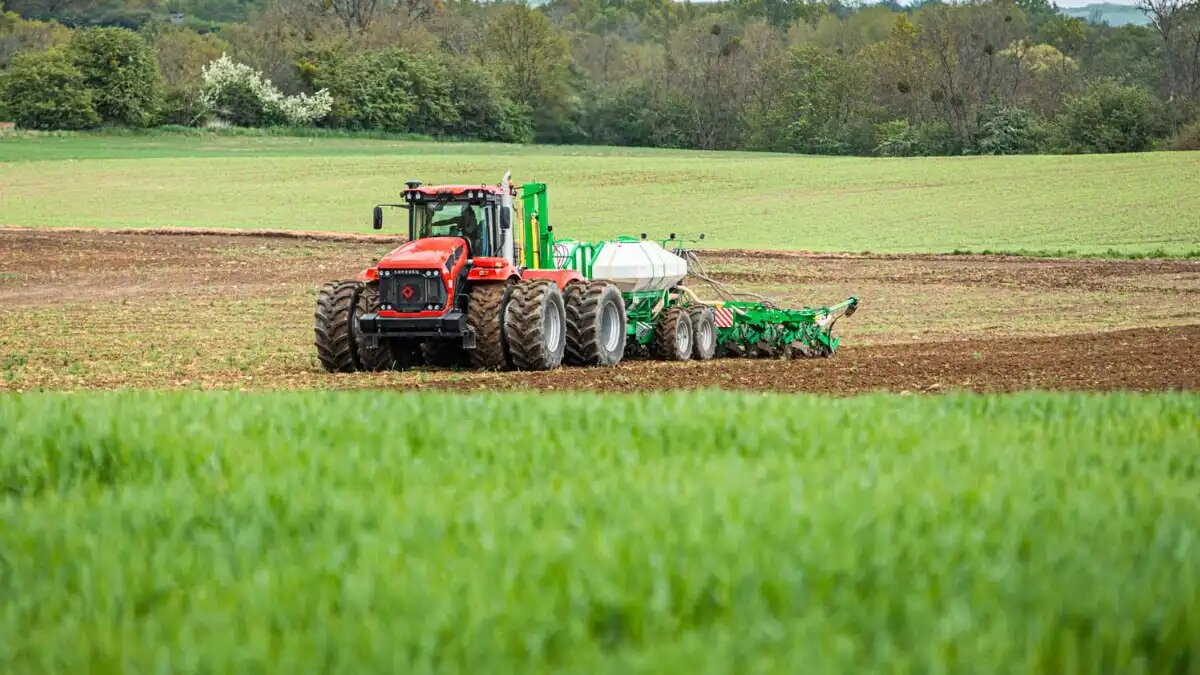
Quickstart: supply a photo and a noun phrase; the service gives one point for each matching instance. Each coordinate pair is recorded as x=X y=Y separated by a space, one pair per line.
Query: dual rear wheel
x=596 y=324
x=584 y=325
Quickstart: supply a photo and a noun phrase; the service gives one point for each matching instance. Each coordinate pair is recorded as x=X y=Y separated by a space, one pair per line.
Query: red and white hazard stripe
x=724 y=317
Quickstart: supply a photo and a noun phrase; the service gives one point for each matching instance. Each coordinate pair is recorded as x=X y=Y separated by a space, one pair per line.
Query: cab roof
x=454 y=190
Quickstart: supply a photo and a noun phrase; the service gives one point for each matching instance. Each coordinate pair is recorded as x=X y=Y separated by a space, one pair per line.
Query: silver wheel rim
x=683 y=340
x=610 y=322
x=705 y=337
x=552 y=325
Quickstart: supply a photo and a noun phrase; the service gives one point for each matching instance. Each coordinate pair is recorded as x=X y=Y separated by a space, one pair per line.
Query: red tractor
x=469 y=288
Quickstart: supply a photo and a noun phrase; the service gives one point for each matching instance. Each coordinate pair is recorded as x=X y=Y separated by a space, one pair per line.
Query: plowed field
x=111 y=309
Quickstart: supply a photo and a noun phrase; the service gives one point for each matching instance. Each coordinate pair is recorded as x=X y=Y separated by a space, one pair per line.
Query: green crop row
x=686 y=532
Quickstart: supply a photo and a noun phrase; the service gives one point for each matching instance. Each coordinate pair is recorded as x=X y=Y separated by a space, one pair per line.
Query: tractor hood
x=441 y=253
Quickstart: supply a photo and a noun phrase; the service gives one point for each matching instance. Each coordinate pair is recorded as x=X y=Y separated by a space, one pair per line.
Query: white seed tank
x=634 y=266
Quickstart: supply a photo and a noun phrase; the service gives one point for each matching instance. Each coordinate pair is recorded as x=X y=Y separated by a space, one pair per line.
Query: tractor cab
x=471 y=212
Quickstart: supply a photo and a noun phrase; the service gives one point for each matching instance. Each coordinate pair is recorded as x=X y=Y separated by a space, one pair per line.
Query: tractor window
x=455 y=219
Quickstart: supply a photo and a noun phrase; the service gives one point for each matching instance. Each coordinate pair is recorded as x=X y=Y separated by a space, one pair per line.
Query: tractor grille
x=411 y=290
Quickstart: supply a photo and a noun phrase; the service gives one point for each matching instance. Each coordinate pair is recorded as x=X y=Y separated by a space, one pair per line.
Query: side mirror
x=505 y=219
x=377 y=218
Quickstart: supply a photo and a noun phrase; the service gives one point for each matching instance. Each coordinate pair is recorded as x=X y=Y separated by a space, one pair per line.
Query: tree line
x=975 y=77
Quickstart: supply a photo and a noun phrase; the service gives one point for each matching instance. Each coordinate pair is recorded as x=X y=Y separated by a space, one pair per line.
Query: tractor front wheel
x=595 y=324
x=337 y=314
x=535 y=325
x=672 y=336
x=485 y=315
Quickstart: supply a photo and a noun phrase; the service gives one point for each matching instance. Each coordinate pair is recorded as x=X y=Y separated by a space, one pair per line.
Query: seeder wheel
x=672 y=336
x=704 y=333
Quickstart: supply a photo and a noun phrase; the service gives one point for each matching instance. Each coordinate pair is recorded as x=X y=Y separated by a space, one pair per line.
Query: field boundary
x=779 y=254
x=209 y=232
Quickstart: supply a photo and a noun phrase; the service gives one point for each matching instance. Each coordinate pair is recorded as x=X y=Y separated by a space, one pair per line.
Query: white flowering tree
x=240 y=95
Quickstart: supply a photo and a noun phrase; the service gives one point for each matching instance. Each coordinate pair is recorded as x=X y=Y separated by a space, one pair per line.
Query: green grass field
x=703 y=532
x=1087 y=204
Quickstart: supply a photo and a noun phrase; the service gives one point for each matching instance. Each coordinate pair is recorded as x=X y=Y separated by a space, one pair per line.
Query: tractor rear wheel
x=337 y=314
x=704 y=333
x=595 y=324
x=535 y=325
x=386 y=354
x=672 y=336
x=485 y=315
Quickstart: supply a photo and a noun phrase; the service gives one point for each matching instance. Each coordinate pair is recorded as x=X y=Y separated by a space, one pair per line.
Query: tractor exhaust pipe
x=506 y=212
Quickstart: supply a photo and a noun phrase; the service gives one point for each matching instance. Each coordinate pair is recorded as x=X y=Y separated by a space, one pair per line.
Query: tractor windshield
x=454 y=219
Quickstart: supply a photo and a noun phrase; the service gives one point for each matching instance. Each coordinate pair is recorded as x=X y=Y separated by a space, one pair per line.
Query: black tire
x=387 y=354
x=672 y=336
x=595 y=324
x=337 y=314
x=535 y=325
x=485 y=315
x=704 y=333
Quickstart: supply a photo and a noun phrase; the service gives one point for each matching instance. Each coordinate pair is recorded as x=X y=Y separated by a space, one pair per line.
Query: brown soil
x=86 y=309
x=1140 y=360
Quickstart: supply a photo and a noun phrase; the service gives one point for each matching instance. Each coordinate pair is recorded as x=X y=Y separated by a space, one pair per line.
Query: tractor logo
x=407 y=292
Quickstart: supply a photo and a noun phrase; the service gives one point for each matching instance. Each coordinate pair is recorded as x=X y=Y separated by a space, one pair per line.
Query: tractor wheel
x=387 y=354
x=672 y=336
x=535 y=325
x=444 y=354
x=485 y=315
x=337 y=312
x=595 y=324
x=704 y=333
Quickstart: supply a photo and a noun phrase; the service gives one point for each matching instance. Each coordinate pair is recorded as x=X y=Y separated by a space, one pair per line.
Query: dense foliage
x=978 y=77
x=44 y=90
x=1035 y=533
x=1108 y=117
x=121 y=72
